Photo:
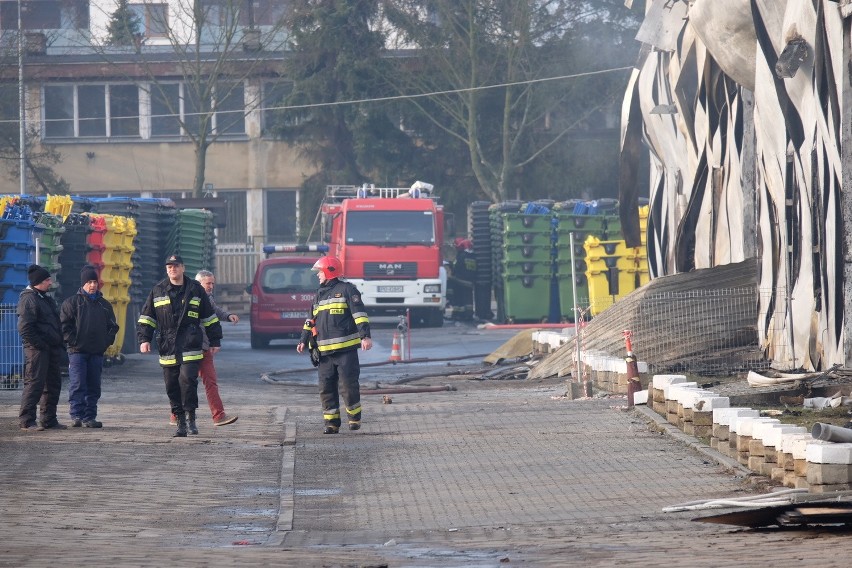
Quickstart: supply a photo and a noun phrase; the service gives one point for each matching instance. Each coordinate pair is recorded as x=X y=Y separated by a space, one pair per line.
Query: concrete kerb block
x=774 y=437
x=744 y=425
x=727 y=416
x=789 y=439
x=669 y=391
x=832 y=453
x=760 y=429
x=660 y=381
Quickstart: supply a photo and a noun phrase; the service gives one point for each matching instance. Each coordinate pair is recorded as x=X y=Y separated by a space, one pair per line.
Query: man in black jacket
x=89 y=328
x=176 y=310
x=38 y=325
x=339 y=327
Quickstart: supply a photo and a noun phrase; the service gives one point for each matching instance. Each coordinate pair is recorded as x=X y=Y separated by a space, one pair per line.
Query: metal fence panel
x=236 y=263
x=11 y=349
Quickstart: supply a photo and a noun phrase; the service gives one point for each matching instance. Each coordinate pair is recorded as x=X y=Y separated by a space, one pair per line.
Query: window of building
x=227 y=13
x=153 y=19
x=91 y=111
x=195 y=108
x=114 y=110
x=236 y=231
x=281 y=219
x=165 y=109
x=46 y=15
x=124 y=110
x=230 y=108
x=274 y=95
x=59 y=111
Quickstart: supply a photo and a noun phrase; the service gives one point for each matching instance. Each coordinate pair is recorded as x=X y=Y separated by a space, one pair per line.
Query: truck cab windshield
x=390 y=228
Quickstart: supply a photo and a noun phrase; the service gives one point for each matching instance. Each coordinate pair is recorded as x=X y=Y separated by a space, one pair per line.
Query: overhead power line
x=348 y=102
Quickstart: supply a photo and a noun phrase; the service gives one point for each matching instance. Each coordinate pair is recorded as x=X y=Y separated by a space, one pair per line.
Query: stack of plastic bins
x=75 y=249
x=527 y=266
x=495 y=221
x=193 y=239
x=50 y=247
x=115 y=275
x=59 y=205
x=644 y=275
x=610 y=270
x=581 y=226
x=479 y=228
x=18 y=232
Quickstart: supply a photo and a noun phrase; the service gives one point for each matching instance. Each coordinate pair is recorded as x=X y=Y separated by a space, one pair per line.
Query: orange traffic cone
x=395 y=355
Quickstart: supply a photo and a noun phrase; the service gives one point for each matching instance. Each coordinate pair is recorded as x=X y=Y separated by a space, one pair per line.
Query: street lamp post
x=22 y=130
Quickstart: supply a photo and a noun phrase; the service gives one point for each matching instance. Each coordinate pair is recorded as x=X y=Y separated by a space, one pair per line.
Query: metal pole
x=22 y=130
x=577 y=316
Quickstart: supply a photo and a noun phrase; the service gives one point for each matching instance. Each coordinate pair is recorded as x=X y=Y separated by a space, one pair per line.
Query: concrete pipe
x=829 y=433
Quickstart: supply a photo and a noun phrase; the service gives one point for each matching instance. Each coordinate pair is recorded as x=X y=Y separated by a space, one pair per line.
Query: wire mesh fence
x=11 y=349
x=706 y=332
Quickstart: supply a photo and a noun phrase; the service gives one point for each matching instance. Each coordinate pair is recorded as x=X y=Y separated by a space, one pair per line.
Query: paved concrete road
x=493 y=473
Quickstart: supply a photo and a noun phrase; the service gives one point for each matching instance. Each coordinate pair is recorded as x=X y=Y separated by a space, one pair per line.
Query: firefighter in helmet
x=338 y=327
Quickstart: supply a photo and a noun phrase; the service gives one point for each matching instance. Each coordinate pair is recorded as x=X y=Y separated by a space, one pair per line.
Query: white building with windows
x=118 y=116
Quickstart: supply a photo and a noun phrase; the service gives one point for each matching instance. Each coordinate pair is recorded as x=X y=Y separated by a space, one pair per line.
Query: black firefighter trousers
x=182 y=386
x=42 y=385
x=341 y=369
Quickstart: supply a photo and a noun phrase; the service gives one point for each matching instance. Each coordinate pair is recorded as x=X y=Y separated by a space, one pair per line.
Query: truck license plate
x=391 y=289
x=293 y=315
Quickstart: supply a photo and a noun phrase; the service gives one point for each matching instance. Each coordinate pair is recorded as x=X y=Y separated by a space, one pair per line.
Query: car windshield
x=288 y=278
x=390 y=228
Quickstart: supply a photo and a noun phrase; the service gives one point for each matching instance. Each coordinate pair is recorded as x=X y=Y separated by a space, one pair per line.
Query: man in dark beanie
x=41 y=334
x=89 y=328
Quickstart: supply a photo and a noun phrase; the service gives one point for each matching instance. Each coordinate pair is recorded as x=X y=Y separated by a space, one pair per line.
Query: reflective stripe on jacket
x=179 y=332
x=340 y=318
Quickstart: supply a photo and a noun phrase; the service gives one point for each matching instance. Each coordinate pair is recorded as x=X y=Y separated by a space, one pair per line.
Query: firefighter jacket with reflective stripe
x=339 y=317
x=178 y=316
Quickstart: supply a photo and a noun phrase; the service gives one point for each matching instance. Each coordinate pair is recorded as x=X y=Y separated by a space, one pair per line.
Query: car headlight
x=432 y=289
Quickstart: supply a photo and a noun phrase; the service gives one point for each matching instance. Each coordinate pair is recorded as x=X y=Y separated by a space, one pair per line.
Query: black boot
x=190 y=418
x=181 y=427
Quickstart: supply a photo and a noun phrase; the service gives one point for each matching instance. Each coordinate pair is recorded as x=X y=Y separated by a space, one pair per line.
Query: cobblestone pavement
x=494 y=473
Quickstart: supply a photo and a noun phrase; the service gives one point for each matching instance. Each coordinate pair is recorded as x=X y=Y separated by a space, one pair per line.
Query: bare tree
x=213 y=48
x=491 y=58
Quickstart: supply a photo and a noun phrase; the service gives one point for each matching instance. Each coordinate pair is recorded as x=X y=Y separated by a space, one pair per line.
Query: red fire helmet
x=330 y=266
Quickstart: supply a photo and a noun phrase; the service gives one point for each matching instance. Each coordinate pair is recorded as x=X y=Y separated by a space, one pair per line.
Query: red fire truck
x=389 y=241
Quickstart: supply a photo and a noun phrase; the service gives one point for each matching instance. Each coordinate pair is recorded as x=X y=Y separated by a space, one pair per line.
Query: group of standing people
x=181 y=315
x=86 y=326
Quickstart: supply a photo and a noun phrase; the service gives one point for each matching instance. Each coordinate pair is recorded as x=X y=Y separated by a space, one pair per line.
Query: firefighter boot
x=181 y=427
x=190 y=418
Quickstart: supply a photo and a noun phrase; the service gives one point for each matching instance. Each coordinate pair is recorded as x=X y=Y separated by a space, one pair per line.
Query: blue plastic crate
x=13 y=273
x=17 y=253
x=20 y=230
x=10 y=293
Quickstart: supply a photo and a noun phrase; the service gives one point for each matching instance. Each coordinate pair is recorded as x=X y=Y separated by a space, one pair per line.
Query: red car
x=281 y=296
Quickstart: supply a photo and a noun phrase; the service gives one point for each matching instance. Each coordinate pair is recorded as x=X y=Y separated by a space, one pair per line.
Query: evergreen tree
x=338 y=58
x=124 y=26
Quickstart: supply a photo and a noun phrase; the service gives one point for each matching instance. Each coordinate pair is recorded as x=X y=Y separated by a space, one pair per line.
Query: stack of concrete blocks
x=793 y=459
x=724 y=432
x=674 y=411
x=784 y=452
x=829 y=466
x=610 y=373
x=549 y=341
x=774 y=458
x=745 y=430
x=690 y=408
x=659 y=391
